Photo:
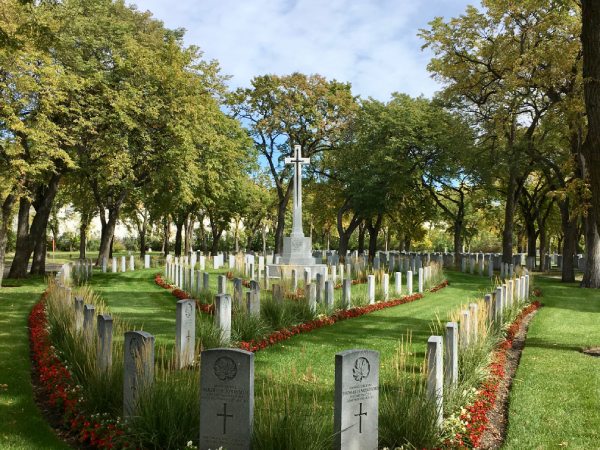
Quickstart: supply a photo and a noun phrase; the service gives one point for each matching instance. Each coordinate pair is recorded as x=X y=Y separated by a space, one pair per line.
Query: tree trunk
x=569 y=227
x=407 y=243
x=345 y=233
x=39 y=225
x=591 y=276
x=216 y=233
x=178 y=237
x=83 y=227
x=18 y=268
x=509 y=218
x=374 y=229
x=361 y=238
x=108 y=227
x=106 y=246
x=236 y=238
x=543 y=247
x=458 y=241
x=4 y=226
x=166 y=236
x=189 y=233
x=590 y=40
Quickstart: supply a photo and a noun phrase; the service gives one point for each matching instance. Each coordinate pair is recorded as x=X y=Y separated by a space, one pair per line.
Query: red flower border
x=180 y=294
x=60 y=392
x=476 y=413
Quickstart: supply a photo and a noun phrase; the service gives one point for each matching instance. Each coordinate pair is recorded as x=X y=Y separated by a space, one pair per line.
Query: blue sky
x=370 y=43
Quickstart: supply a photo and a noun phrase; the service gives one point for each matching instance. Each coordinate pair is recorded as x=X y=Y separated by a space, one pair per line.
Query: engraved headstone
x=223 y=316
x=278 y=292
x=237 y=291
x=114 y=265
x=253 y=303
x=185 y=333
x=498 y=306
x=398 y=282
x=205 y=281
x=138 y=364
x=435 y=375
x=371 y=288
x=221 y=284
x=89 y=313
x=421 y=280
x=465 y=328
x=356 y=413
x=385 y=286
x=346 y=293
x=451 y=354
x=123 y=264
x=78 y=313
x=131 y=263
x=226 y=399
x=474 y=324
x=310 y=292
x=409 y=282
x=329 y=299
x=104 y=349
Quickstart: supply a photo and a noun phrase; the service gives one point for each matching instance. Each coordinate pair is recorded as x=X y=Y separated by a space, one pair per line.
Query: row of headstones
x=442 y=360
x=191 y=280
x=115 y=265
x=227 y=393
x=478 y=262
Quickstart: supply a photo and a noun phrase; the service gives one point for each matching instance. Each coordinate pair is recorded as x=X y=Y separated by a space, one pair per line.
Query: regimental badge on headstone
x=356 y=415
x=226 y=399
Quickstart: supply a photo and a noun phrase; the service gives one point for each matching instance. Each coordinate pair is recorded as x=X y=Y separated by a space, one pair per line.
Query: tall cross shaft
x=298 y=161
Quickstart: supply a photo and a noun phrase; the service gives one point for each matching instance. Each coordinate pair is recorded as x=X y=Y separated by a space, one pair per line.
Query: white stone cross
x=297 y=160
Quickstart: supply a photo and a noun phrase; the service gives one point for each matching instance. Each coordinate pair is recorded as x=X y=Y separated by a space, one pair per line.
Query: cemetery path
x=555 y=398
x=21 y=424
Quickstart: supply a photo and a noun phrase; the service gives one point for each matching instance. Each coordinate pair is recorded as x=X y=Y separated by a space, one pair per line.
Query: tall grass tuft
x=407 y=417
x=167 y=412
x=284 y=418
x=80 y=355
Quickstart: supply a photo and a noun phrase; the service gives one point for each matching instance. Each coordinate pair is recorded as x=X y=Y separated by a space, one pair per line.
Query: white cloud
x=370 y=43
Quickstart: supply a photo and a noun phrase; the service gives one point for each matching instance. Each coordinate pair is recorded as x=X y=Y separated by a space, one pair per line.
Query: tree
x=590 y=42
x=283 y=111
x=508 y=66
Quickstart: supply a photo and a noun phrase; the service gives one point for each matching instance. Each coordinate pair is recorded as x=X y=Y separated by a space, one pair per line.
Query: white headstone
x=356 y=412
x=226 y=399
x=185 y=333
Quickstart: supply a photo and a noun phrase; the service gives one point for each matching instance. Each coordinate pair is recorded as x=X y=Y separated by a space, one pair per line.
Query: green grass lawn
x=21 y=425
x=555 y=399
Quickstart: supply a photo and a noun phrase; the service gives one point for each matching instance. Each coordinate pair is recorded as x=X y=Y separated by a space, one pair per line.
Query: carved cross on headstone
x=297 y=161
x=360 y=414
x=224 y=415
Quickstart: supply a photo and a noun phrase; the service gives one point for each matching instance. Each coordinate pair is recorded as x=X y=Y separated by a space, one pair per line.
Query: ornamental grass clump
x=79 y=354
x=247 y=327
x=407 y=416
x=291 y=417
x=167 y=412
x=436 y=277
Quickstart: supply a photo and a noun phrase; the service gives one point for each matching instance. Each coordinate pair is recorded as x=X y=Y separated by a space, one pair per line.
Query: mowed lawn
x=555 y=399
x=21 y=424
